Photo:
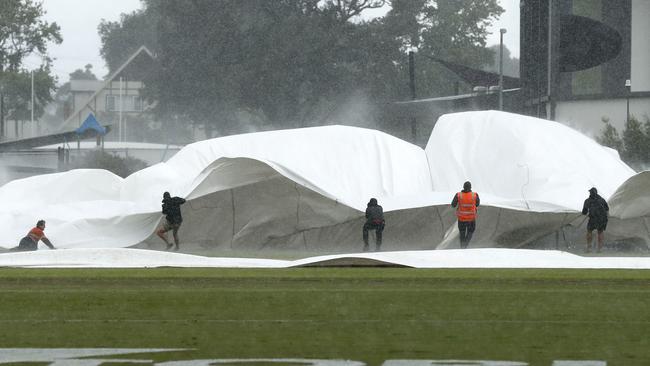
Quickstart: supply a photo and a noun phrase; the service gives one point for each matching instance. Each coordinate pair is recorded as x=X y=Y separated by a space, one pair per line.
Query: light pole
x=33 y=127
x=122 y=133
x=628 y=86
x=413 y=95
x=502 y=31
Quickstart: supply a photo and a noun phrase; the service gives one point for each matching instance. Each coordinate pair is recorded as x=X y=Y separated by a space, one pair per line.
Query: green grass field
x=364 y=314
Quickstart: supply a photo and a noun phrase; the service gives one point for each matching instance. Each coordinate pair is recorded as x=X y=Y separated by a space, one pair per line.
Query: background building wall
x=586 y=115
x=640 y=73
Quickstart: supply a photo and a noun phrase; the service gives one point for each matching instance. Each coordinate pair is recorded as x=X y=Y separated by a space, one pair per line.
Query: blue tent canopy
x=91 y=124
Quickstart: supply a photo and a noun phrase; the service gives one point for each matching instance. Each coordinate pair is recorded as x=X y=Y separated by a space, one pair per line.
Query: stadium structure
x=585 y=60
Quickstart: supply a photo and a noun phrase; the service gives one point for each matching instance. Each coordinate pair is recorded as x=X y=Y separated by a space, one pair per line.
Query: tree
x=22 y=32
x=609 y=136
x=449 y=30
x=232 y=66
x=285 y=62
x=510 y=64
x=454 y=31
x=121 y=38
x=635 y=141
x=86 y=74
x=646 y=155
x=633 y=146
x=18 y=93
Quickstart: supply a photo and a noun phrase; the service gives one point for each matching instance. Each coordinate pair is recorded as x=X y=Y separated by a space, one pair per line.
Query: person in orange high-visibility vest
x=466 y=203
x=30 y=241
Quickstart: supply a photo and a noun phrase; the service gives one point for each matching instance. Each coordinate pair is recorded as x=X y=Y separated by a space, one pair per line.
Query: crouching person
x=30 y=242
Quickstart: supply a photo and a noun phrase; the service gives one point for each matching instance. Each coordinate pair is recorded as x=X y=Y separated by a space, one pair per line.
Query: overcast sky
x=79 y=19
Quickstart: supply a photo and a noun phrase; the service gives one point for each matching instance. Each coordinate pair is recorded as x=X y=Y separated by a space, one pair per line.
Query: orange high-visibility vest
x=466 y=208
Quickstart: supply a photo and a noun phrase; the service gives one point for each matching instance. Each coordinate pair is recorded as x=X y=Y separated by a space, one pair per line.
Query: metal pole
x=550 y=110
x=33 y=127
x=2 y=104
x=502 y=31
x=120 y=114
x=413 y=96
x=627 y=118
x=628 y=85
x=2 y=111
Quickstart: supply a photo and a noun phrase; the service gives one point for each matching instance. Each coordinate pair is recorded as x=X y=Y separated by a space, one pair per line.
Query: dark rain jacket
x=375 y=214
x=596 y=207
x=171 y=208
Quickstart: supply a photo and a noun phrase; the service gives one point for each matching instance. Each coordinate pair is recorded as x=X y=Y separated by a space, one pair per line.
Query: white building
x=116 y=101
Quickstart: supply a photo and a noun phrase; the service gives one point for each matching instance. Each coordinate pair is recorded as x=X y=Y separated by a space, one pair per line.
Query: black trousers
x=379 y=229
x=597 y=223
x=466 y=229
x=26 y=245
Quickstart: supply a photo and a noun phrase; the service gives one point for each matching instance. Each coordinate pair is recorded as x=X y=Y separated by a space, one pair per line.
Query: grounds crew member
x=374 y=221
x=171 y=208
x=596 y=207
x=30 y=241
x=466 y=203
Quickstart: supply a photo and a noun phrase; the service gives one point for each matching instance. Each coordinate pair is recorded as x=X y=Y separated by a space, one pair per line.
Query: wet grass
x=364 y=314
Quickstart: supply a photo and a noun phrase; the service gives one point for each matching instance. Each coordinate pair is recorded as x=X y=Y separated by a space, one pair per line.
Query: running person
x=171 y=208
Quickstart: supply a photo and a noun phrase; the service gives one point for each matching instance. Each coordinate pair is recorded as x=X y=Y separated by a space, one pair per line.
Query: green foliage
x=86 y=74
x=287 y=62
x=297 y=62
x=635 y=141
x=22 y=32
x=121 y=38
x=449 y=30
x=122 y=167
x=633 y=145
x=18 y=92
x=609 y=136
x=510 y=64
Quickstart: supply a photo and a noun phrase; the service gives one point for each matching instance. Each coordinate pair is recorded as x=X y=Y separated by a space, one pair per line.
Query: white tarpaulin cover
x=306 y=189
x=453 y=258
x=543 y=164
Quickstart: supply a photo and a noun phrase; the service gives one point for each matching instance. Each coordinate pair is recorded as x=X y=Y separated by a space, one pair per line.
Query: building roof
x=91 y=124
x=90 y=86
x=68 y=123
x=450 y=98
x=52 y=139
x=476 y=77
